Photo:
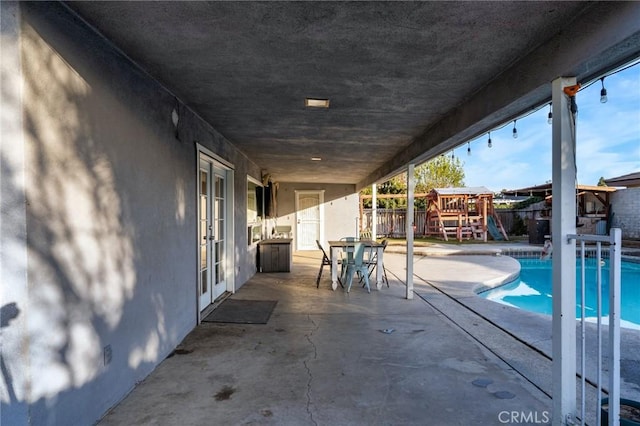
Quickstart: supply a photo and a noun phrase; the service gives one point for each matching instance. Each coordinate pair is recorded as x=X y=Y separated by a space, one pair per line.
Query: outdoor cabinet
x=275 y=255
x=538 y=230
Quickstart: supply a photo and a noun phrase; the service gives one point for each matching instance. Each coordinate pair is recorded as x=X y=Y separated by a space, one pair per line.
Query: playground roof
x=476 y=190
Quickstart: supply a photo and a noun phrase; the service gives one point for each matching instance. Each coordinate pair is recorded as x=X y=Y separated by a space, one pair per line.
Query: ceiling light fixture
x=316 y=103
x=175 y=118
x=316 y=159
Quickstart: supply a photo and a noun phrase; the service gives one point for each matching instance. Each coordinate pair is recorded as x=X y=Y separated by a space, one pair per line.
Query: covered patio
x=328 y=357
x=137 y=138
x=332 y=358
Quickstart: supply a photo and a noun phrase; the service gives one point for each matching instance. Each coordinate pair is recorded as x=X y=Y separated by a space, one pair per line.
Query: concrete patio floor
x=323 y=359
x=448 y=357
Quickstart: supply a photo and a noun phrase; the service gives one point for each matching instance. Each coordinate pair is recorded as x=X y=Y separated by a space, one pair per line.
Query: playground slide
x=493 y=229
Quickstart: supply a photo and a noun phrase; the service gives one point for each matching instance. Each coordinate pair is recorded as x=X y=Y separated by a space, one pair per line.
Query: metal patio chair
x=325 y=261
x=357 y=266
x=373 y=262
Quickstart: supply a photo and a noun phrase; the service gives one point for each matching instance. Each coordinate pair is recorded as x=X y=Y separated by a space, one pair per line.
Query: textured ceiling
x=403 y=79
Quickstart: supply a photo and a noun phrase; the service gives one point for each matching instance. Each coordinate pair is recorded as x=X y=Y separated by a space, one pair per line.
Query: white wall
x=103 y=195
x=340 y=208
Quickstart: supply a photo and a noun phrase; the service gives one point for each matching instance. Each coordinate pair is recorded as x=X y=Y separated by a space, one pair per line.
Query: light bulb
x=452 y=155
x=515 y=131
x=603 y=92
x=550 y=116
x=468 y=149
x=489 y=144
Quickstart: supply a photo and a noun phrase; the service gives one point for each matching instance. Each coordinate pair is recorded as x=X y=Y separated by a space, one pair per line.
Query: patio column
x=374 y=211
x=564 y=253
x=411 y=186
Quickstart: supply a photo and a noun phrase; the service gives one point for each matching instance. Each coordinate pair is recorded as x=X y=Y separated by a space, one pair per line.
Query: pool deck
x=486 y=267
x=328 y=357
x=435 y=285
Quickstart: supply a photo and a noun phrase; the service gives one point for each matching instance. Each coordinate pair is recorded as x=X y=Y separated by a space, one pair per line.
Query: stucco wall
x=625 y=205
x=340 y=208
x=109 y=207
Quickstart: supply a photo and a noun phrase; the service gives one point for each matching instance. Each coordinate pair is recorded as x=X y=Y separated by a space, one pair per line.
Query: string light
x=469 y=148
x=573 y=105
x=453 y=156
x=603 y=92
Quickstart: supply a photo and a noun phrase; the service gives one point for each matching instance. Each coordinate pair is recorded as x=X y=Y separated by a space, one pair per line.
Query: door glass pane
x=203 y=257
x=219 y=187
x=203 y=207
x=220 y=229
x=203 y=232
x=203 y=280
x=203 y=183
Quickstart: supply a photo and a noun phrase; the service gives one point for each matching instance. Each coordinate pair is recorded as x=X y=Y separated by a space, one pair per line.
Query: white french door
x=212 y=231
x=309 y=218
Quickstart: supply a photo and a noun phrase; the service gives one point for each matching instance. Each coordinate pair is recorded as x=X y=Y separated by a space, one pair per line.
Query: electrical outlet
x=106 y=352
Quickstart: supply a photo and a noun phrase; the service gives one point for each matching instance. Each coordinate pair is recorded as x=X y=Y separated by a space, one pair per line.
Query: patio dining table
x=337 y=246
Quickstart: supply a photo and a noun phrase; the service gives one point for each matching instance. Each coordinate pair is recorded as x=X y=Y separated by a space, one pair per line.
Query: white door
x=211 y=232
x=309 y=214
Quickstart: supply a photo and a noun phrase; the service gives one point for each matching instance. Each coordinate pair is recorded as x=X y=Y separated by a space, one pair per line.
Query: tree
x=395 y=185
x=440 y=172
x=601 y=181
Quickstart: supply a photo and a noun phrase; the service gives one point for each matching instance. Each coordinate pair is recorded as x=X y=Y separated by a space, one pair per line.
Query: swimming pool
x=533 y=289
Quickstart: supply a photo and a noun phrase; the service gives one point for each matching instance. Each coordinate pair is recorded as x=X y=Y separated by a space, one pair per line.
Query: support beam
x=564 y=254
x=411 y=187
x=374 y=211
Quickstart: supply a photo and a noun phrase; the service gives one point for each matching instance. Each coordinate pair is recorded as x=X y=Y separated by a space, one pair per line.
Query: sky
x=608 y=140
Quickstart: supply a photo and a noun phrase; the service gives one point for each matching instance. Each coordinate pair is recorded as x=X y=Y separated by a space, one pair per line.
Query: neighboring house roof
x=476 y=190
x=631 y=179
x=545 y=189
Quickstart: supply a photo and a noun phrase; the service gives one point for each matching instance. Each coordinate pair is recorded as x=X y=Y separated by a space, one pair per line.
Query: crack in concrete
x=306 y=366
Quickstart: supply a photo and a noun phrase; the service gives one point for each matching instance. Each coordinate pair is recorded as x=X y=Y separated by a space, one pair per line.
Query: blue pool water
x=532 y=291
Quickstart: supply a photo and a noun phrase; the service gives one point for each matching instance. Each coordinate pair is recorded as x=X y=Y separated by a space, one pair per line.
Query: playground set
x=463 y=213
x=460 y=213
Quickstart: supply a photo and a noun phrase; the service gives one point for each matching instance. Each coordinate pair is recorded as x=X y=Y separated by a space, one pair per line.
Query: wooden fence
x=392 y=222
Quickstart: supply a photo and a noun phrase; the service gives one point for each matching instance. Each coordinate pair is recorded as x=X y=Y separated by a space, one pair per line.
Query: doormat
x=239 y=311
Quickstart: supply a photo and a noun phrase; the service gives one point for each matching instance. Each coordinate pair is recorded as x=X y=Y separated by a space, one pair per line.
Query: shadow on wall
x=84 y=268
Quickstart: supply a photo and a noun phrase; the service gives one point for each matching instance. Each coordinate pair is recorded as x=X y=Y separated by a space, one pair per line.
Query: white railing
x=614 y=241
